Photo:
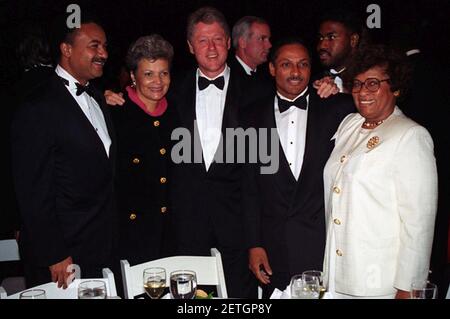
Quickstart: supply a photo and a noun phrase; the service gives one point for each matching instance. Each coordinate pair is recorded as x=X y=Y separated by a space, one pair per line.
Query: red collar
x=161 y=107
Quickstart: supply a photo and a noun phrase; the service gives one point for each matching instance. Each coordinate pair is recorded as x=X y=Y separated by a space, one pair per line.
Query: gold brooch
x=373 y=142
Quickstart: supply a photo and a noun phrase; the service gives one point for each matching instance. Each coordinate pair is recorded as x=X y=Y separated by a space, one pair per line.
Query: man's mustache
x=324 y=51
x=101 y=60
x=295 y=78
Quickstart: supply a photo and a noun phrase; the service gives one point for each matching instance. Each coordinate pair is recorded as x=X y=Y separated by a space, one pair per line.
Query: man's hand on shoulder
x=326 y=87
x=113 y=98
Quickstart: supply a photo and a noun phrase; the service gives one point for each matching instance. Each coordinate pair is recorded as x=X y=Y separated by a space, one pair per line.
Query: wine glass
x=319 y=275
x=33 y=294
x=92 y=289
x=422 y=289
x=154 y=281
x=305 y=287
x=183 y=284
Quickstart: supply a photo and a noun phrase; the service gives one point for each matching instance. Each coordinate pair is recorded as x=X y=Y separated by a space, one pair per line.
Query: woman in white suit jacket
x=380 y=188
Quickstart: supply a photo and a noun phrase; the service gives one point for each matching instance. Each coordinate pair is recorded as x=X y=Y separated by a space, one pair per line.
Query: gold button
x=163 y=209
x=336 y=189
x=162 y=151
x=343 y=158
x=136 y=160
x=156 y=123
x=133 y=216
x=163 y=180
x=339 y=253
x=337 y=221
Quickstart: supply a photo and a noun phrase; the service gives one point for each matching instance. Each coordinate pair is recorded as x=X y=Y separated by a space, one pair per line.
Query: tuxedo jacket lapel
x=312 y=132
x=229 y=120
x=66 y=100
x=284 y=178
x=187 y=89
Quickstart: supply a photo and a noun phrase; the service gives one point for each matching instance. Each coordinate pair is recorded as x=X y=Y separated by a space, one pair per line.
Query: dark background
x=125 y=21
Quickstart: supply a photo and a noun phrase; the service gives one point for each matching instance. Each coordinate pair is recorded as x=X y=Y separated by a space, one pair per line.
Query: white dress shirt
x=209 y=107
x=338 y=79
x=291 y=127
x=247 y=69
x=89 y=107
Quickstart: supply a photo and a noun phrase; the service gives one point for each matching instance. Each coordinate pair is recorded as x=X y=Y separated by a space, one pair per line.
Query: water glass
x=319 y=275
x=33 y=294
x=92 y=289
x=183 y=284
x=423 y=289
x=154 y=281
x=305 y=287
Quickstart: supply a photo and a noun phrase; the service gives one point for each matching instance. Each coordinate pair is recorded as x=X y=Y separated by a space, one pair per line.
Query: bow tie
x=300 y=102
x=84 y=88
x=80 y=88
x=203 y=82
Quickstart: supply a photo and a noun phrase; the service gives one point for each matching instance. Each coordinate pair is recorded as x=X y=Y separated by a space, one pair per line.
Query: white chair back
x=448 y=293
x=9 y=250
x=209 y=270
x=53 y=292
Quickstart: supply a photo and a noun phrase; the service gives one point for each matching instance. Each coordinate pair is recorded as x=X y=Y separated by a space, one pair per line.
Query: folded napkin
x=286 y=294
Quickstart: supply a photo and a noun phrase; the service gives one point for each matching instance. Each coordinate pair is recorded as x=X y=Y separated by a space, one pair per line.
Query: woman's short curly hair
x=151 y=47
x=394 y=63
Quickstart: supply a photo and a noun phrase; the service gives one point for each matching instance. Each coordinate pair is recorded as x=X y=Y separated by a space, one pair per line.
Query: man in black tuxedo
x=251 y=41
x=63 y=150
x=340 y=34
x=207 y=191
x=286 y=232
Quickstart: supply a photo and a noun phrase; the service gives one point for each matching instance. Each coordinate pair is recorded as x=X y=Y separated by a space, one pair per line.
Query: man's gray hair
x=242 y=28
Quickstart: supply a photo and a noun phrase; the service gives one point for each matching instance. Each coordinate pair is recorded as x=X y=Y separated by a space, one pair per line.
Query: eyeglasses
x=371 y=84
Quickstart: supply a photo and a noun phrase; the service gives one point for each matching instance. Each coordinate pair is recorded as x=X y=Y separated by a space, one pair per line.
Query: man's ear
x=66 y=49
x=272 y=69
x=242 y=42
x=354 y=40
x=191 y=48
x=228 y=43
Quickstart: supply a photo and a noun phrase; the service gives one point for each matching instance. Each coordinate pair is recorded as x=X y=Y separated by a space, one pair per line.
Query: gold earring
x=397 y=93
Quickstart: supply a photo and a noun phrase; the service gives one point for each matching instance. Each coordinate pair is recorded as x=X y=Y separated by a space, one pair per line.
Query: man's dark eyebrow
x=327 y=34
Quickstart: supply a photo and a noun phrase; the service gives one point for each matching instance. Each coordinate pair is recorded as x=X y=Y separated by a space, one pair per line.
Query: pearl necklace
x=371 y=125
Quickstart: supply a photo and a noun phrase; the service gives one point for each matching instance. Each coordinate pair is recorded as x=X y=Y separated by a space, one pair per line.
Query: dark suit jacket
x=143 y=159
x=207 y=204
x=290 y=219
x=63 y=180
x=254 y=87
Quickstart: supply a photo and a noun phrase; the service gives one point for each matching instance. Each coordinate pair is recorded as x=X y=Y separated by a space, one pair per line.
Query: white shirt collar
x=247 y=69
x=333 y=71
x=66 y=75
x=285 y=98
x=411 y=52
x=225 y=73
